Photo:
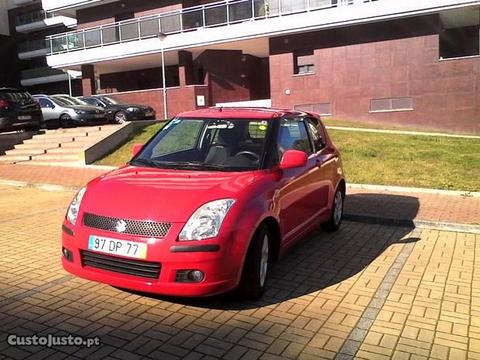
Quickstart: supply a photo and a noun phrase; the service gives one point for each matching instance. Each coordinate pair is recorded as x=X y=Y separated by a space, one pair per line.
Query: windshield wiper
x=145 y=162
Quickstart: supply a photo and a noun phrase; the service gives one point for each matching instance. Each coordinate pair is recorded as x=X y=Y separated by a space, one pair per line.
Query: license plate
x=98 y=116
x=117 y=247
x=24 y=117
x=148 y=113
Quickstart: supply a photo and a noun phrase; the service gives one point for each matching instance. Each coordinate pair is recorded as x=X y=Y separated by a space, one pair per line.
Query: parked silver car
x=66 y=111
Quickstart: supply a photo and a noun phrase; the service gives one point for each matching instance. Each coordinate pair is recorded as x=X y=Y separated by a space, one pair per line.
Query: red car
x=208 y=204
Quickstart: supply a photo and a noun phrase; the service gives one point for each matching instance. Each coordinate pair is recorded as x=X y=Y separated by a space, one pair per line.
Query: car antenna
x=220 y=109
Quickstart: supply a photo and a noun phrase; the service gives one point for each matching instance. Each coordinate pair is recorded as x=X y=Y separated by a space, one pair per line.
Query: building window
x=391 y=104
x=459 y=42
x=319 y=108
x=303 y=62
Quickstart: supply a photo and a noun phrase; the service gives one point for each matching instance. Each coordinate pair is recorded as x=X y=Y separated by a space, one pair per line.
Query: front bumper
x=220 y=266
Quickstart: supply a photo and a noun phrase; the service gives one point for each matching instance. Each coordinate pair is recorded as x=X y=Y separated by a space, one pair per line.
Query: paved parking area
x=367 y=291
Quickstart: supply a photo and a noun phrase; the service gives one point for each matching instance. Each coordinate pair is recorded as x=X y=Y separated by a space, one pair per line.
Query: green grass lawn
x=383 y=159
x=328 y=121
x=124 y=153
x=406 y=160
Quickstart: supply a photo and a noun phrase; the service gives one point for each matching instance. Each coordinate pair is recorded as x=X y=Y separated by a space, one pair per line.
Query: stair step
x=13 y=158
x=58 y=157
x=35 y=146
x=25 y=151
x=65 y=151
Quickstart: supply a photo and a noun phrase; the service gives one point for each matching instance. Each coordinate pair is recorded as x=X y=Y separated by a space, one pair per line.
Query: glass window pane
x=149 y=27
x=129 y=31
x=192 y=19
x=171 y=23
x=110 y=34
x=240 y=11
x=92 y=38
x=216 y=16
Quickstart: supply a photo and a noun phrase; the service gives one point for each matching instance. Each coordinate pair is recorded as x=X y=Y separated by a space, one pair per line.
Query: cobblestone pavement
x=366 y=292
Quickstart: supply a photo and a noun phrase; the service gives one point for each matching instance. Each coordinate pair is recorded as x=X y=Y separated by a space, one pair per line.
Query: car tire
x=120 y=117
x=256 y=267
x=336 y=216
x=65 y=121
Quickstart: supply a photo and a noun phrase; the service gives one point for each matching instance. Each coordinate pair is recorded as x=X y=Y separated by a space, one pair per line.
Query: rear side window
x=18 y=97
x=316 y=131
x=45 y=103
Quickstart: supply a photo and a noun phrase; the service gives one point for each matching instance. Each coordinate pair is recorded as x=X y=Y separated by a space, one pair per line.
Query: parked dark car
x=19 y=110
x=66 y=111
x=119 y=111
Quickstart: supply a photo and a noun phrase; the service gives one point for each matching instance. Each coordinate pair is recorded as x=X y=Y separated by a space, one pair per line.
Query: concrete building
x=409 y=62
x=23 y=54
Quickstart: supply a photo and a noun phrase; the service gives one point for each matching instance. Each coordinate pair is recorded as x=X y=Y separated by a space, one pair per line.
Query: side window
x=293 y=136
x=45 y=103
x=317 y=134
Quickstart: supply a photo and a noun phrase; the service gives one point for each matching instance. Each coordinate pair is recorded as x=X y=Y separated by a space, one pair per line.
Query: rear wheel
x=65 y=121
x=256 y=267
x=120 y=117
x=336 y=216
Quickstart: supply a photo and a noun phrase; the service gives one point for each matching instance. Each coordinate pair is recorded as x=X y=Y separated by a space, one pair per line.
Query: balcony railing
x=40 y=72
x=32 y=17
x=173 y=22
x=32 y=45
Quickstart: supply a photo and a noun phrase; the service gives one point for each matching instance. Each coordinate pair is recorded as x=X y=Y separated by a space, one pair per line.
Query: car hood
x=160 y=194
x=126 y=106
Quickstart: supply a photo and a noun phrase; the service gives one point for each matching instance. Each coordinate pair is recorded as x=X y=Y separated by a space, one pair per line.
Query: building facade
x=412 y=63
x=24 y=51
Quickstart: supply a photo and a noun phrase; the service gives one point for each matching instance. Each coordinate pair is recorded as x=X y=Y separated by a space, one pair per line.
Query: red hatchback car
x=208 y=204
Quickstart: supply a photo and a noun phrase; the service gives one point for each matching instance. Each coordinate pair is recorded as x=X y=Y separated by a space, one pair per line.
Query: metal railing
x=178 y=21
x=32 y=45
x=32 y=17
x=40 y=72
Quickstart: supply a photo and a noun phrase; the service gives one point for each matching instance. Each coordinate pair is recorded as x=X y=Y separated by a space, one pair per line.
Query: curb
x=47 y=187
x=405 y=189
x=422 y=224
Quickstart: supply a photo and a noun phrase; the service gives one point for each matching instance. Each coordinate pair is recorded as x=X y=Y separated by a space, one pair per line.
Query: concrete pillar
x=88 y=80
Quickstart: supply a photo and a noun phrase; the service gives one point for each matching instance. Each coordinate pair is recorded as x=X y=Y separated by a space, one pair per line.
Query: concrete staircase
x=58 y=147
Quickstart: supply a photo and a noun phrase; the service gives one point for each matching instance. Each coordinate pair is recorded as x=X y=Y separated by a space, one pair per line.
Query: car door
x=299 y=184
x=325 y=165
x=48 y=109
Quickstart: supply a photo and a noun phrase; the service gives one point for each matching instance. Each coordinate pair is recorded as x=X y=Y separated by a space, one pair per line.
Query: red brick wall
x=233 y=76
x=178 y=99
x=446 y=94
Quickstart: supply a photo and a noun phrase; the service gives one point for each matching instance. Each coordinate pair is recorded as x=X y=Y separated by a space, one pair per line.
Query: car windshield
x=207 y=144
x=113 y=101
x=71 y=100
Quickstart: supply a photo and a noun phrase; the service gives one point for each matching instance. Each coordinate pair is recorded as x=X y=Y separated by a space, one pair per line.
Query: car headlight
x=206 y=220
x=79 y=111
x=132 y=109
x=74 y=208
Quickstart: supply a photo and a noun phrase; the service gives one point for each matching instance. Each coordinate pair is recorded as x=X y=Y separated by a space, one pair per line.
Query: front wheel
x=255 y=270
x=65 y=121
x=336 y=216
x=120 y=117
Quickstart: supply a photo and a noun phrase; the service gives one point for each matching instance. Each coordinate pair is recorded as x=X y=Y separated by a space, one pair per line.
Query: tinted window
x=293 y=136
x=318 y=137
x=45 y=103
x=92 y=101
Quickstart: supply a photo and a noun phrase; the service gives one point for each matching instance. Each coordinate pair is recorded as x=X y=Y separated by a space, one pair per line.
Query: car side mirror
x=136 y=149
x=293 y=159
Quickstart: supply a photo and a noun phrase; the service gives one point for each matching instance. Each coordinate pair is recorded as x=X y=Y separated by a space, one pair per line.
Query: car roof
x=240 y=113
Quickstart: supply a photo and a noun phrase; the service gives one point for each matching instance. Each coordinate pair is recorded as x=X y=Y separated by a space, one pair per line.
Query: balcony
x=226 y=21
x=61 y=5
x=37 y=20
x=42 y=76
x=32 y=48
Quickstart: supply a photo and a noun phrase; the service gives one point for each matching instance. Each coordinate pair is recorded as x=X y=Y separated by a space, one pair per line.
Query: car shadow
x=320 y=261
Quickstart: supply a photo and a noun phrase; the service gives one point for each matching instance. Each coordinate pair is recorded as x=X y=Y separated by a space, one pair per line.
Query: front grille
x=140 y=268
x=125 y=226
